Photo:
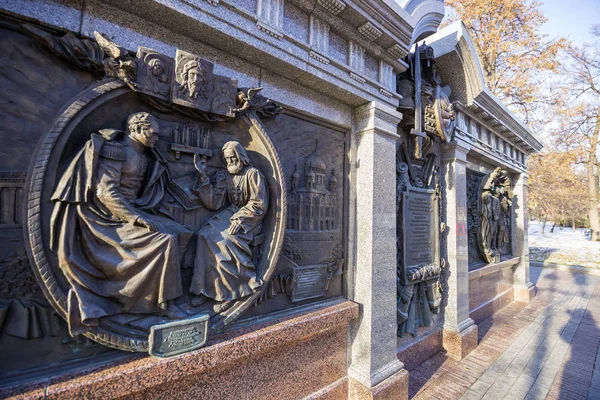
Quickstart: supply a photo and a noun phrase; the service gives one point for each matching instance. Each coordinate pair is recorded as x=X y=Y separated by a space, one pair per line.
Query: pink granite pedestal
x=292 y=358
x=524 y=294
x=393 y=388
x=459 y=344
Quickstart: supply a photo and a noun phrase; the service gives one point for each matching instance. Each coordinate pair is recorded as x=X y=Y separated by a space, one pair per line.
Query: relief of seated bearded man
x=224 y=268
x=117 y=254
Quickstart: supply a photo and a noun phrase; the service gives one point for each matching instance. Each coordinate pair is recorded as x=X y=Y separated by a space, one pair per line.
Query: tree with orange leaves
x=579 y=118
x=513 y=53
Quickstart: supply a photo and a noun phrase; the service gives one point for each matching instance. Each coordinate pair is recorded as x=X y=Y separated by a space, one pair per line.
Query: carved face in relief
x=234 y=165
x=235 y=157
x=146 y=133
x=224 y=90
x=157 y=69
x=195 y=80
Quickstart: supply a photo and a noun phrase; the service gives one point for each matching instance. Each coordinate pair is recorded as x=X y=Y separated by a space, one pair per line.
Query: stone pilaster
x=460 y=331
x=374 y=367
x=269 y=15
x=319 y=39
x=356 y=60
x=524 y=289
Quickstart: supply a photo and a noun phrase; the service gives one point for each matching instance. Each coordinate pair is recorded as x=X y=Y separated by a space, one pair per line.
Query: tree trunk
x=544 y=224
x=573 y=224
x=592 y=184
x=553 y=226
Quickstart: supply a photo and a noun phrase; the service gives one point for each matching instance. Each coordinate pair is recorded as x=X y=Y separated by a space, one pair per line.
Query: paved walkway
x=547 y=349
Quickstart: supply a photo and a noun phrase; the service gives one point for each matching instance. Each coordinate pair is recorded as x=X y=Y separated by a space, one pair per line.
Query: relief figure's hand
x=199 y=164
x=151 y=225
x=235 y=227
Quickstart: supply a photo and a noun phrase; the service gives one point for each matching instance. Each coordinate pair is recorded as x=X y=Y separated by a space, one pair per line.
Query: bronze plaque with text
x=178 y=337
x=421 y=255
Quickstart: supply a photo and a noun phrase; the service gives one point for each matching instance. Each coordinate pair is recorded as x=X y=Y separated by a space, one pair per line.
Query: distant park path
x=547 y=349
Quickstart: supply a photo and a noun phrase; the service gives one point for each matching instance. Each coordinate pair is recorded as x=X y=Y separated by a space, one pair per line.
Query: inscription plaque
x=309 y=282
x=421 y=255
x=178 y=337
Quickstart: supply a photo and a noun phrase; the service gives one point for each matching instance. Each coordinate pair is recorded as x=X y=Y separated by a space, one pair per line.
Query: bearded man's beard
x=197 y=90
x=193 y=90
x=236 y=168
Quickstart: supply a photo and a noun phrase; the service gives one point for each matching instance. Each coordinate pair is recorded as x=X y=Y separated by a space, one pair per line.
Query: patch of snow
x=564 y=246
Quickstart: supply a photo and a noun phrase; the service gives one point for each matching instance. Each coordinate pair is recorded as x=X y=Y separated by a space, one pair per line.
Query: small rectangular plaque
x=421 y=255
x=178 y=337
x=309 y=282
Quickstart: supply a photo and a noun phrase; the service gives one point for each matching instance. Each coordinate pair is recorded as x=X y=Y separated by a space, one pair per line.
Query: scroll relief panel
x=428 y=119
x=157 y=207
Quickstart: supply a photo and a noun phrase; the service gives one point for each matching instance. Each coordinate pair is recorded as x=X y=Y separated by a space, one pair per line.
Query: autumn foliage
x=555 y=87
x=512 y=52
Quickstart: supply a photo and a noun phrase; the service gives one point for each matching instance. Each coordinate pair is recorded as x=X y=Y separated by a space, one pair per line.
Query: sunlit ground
x=564 y=246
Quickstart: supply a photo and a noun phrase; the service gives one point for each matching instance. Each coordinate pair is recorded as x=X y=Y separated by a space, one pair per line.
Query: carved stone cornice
x=270 y=17
x=318 y=57
x=370 y=31
x=333 y=6
x=319 y=35
x=386 y=93
x=383 y=16
x=227 y=29
x=397 y=51
x=357 y=78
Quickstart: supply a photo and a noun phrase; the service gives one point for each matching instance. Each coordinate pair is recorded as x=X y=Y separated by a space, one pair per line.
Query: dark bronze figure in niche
x=118 y=255
x=473 y=217
x=495 y=201
x=227 y=245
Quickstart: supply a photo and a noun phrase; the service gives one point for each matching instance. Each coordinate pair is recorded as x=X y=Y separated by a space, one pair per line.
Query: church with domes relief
x=313 y=207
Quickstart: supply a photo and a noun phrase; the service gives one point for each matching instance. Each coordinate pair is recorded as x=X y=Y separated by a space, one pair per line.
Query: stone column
x=460 y=331
x=524 y=289
x=375 y=370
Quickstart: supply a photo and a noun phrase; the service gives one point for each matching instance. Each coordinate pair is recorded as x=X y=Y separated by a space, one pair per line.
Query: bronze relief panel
x=142 y=212
x=164 y=219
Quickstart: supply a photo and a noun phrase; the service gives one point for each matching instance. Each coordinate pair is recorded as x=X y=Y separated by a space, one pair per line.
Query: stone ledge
x=491 y=268
x=140 y=374
x=492 y=306
x=420 y=349
x=337 y=390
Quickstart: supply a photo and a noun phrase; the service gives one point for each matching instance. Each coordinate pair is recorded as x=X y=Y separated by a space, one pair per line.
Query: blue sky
x=570 y=18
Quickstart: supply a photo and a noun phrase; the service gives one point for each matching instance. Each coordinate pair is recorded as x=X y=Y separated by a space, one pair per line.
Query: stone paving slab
x=547 y=349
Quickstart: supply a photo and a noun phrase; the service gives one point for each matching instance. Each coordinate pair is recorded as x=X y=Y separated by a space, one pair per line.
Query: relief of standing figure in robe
x=495 y=200
x=225 y=265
